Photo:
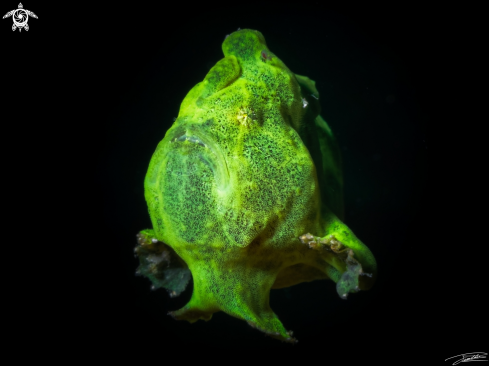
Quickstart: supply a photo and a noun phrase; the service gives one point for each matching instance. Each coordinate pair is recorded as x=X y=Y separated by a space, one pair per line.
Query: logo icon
x=20 y=17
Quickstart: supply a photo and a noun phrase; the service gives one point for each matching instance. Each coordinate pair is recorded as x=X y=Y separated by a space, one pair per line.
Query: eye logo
x=20 y=17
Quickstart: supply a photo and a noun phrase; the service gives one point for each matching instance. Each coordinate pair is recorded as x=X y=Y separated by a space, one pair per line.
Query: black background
x=108 y=86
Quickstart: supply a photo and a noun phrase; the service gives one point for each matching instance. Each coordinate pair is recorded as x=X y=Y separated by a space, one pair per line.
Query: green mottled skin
x=247 y=170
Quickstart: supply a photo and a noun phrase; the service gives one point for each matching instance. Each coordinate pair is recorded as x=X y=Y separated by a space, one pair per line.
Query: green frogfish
x=245 y=193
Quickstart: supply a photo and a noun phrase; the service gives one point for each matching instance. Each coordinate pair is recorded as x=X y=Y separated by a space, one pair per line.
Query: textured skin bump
x=245 y=173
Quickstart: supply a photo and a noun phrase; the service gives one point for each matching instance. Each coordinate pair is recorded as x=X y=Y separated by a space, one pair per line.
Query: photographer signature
x=467 y=357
